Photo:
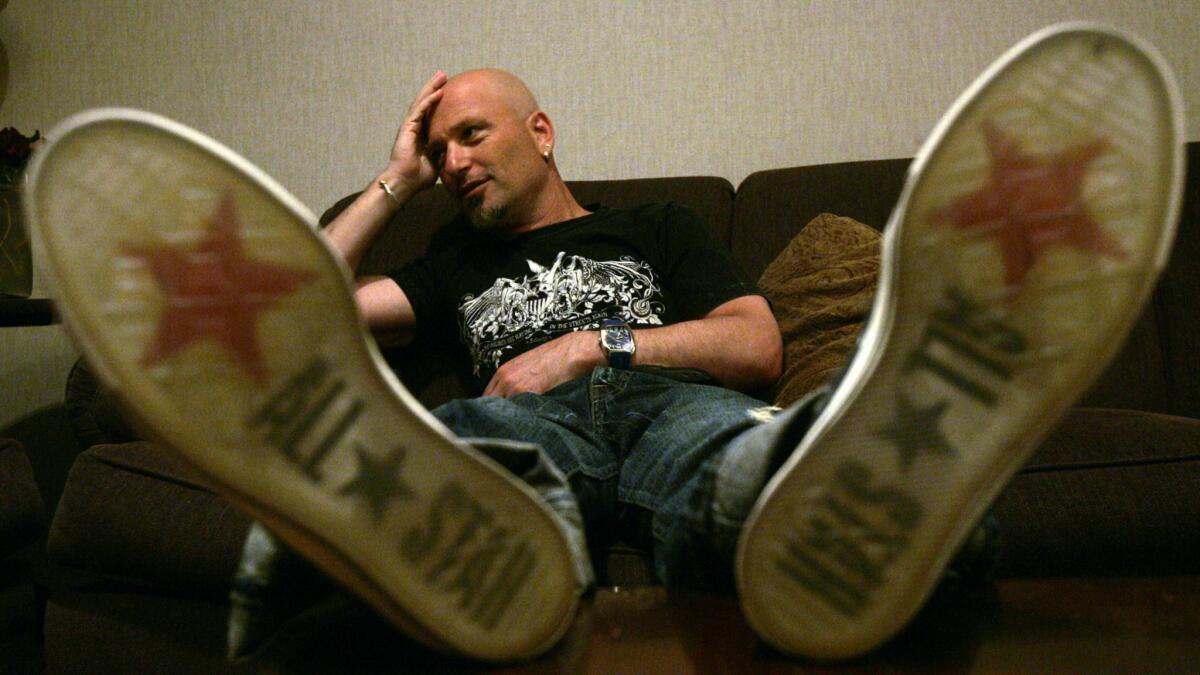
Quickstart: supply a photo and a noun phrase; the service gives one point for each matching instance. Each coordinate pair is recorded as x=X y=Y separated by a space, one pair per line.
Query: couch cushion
x=820 y=287
x=1107 y=492
x=135 y=512
x=22 y=514
x=1090 y=437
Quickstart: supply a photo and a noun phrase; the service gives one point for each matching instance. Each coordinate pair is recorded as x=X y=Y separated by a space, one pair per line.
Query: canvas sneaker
x=201 y=292
x=1027 y=238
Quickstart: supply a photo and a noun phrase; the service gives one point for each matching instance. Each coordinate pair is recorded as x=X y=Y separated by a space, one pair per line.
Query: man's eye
x=469 y=133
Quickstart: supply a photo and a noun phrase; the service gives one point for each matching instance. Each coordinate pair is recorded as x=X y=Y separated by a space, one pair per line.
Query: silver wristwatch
x=616 y=340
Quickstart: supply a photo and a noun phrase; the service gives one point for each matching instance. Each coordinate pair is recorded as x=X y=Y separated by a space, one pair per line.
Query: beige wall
x=311 y=90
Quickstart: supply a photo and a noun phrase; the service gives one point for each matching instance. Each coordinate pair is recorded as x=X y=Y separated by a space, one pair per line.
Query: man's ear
x=541 y=130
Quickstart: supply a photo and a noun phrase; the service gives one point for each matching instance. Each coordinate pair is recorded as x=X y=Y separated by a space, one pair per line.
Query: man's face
x=486 y=154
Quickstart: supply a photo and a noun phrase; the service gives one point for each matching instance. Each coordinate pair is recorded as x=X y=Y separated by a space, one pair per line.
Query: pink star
x=1029 y=205
x=214 y=292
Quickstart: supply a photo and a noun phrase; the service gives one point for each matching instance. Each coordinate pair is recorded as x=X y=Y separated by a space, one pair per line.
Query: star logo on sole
x=213 y=292
x=1030 y=204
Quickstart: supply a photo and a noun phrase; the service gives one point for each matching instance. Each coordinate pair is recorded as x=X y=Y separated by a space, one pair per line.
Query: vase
x=16 y=264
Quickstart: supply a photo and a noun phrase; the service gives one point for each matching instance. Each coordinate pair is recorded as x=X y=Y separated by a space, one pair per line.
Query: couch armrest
x=22 y=514
x=1109 y=492
x=134 y=512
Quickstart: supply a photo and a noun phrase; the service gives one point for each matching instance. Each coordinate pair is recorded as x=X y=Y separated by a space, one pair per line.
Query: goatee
x=490 y=218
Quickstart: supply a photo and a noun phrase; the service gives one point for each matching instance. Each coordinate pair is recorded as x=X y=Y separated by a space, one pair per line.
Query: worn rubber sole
x=1029 y=234
x=202 y=294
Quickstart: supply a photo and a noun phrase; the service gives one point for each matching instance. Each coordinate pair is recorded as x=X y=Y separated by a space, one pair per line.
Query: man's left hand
x=548 y=365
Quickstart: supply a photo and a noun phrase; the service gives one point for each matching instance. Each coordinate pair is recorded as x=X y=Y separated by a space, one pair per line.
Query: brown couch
x=1111 y=492
x=22 y=522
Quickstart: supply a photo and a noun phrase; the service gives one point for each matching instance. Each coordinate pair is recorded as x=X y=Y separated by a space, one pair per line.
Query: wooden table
x=1075 y=625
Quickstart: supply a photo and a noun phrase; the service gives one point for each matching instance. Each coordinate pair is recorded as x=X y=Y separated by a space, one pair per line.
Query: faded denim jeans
x=671 y=467
x=674 y=468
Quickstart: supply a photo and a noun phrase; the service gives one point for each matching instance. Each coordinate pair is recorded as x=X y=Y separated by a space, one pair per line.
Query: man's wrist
x=392 y=188
x=585 y=354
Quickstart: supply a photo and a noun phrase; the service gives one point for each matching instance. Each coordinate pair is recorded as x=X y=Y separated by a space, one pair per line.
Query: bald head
x=492 y=146
x=493 y=84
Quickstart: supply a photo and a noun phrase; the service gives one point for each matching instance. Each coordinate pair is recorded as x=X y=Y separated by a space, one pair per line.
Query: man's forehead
x=460 y=104
x=488 y=94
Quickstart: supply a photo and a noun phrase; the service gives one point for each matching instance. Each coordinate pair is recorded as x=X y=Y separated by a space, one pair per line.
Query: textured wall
x=311 y=91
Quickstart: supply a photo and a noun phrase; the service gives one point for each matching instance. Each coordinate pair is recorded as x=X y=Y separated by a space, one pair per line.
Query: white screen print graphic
x=574 y=293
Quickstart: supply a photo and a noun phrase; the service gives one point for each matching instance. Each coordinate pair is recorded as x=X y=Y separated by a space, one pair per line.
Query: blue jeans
x=672 y=467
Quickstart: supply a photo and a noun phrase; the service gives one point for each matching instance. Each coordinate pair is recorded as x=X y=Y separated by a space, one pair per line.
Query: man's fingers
x=416 y=114
x=429 y=93
x=495 y=389
x=435 y=82
x=493 y=386
x=507 y=383
x=407 y=148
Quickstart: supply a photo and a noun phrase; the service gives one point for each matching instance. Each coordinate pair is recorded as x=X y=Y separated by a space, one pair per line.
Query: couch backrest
x=421 y=224
x=1157 y=369
x=773 y=206
x=1177 y=301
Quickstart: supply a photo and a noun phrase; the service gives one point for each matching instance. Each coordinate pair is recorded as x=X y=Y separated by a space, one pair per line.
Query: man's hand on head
x=409 y=168
x=548 y=365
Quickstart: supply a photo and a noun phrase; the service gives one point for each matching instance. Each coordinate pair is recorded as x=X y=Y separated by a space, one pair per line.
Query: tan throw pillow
x=820 y=287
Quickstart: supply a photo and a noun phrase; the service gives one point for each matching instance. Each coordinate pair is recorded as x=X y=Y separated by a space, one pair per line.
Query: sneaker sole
x=973 y=350
x=278 y=396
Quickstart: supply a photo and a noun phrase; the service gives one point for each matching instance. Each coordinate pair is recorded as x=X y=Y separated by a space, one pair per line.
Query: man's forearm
x=738 y=343
x=743 y=352
x=353 y=230
x=408 y=172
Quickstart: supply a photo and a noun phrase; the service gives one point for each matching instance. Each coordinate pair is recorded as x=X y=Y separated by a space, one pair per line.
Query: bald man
x=585 y=329
x=483 y=134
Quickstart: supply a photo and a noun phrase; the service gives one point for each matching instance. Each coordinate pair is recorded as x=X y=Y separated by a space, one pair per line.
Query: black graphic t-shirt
x=650 y=266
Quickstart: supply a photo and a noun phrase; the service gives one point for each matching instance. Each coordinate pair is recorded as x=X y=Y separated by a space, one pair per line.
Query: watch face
x=617 y=338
